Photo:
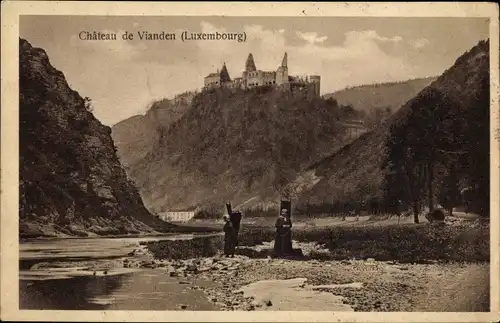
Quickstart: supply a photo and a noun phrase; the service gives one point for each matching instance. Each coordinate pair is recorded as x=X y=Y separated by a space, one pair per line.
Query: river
x=88 y=274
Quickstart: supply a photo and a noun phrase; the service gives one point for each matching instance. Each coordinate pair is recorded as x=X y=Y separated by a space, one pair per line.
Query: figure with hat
x=283 y=239
x=230 y=237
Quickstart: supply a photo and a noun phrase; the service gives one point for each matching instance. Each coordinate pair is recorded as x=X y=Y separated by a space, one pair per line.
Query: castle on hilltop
x=252 y=77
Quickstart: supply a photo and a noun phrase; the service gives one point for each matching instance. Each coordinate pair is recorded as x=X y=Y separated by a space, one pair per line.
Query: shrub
x=403 y=243
x=436 y=215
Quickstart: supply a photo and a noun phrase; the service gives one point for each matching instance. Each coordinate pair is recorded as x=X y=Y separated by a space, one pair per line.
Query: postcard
x=245 y=161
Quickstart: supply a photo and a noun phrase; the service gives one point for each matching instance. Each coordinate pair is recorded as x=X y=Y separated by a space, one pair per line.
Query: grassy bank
x=403 y=243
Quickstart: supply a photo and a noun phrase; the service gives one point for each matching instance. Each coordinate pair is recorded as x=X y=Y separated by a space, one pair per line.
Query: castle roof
x=284 y=63
x=250 y=64
x=224 y=74
x=212 y=75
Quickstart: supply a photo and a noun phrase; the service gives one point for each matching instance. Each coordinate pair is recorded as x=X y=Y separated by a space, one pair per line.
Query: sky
x=124 y=77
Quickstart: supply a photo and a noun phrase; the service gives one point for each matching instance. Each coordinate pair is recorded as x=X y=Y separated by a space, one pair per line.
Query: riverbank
x=383 y=286
x=36 y=234
x=374 y=268
x=363 y=267
x=410 y=243
x=244 y=283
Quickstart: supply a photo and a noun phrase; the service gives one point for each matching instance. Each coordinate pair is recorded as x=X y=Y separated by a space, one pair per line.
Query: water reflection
x=68 y=278
x=142 y=290
x=80 y=249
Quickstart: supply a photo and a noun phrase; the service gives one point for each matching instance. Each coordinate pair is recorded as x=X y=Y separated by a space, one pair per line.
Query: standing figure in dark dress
x=230 y=238
x=283 y=240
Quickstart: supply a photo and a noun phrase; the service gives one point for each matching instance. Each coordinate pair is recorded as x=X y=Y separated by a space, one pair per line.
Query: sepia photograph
x=254 y=163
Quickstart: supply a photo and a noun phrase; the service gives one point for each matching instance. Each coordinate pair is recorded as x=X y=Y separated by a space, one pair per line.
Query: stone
x=192 y=268
x=268 y=302
x=183 y=306
x=256 y=303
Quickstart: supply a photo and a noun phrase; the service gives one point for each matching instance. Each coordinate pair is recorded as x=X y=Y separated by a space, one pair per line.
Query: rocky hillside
x=134 y=136
x=380 y=96
x=242 y=146
x=71 y=181
x=355 y=172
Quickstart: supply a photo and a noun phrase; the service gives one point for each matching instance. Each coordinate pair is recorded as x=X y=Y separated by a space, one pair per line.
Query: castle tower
x=316 y=82
x=250 y=64
x=224 y=74
x=282 y=72
x=284 y=62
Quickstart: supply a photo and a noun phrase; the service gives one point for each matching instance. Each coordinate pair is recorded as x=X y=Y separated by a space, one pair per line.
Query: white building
x=177 y=215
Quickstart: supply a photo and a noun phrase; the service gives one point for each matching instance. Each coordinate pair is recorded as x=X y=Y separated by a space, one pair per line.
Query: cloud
x=419 y=43
x=372 y=35
x=311 y=37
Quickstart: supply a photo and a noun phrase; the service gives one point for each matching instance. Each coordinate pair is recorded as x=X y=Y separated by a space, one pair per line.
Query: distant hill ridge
x=380 y=95
x=134 y=136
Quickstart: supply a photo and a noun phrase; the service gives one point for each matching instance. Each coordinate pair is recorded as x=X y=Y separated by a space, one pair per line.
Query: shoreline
x=202 y=230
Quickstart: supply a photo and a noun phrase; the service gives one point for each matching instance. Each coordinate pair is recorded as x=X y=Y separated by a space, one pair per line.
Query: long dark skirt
x=283 y=244
x=287 y=243
x=278 y=250
x=229 y=246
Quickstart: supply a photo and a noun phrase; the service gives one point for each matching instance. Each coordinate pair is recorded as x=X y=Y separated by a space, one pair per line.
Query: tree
x=449 y=191
x=405 y=166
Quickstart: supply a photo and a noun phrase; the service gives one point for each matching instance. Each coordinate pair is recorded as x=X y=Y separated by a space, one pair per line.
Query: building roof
x=224 y=74
x=284 y=63
x=185 y=210
x=250 y=64
x=212 y=75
